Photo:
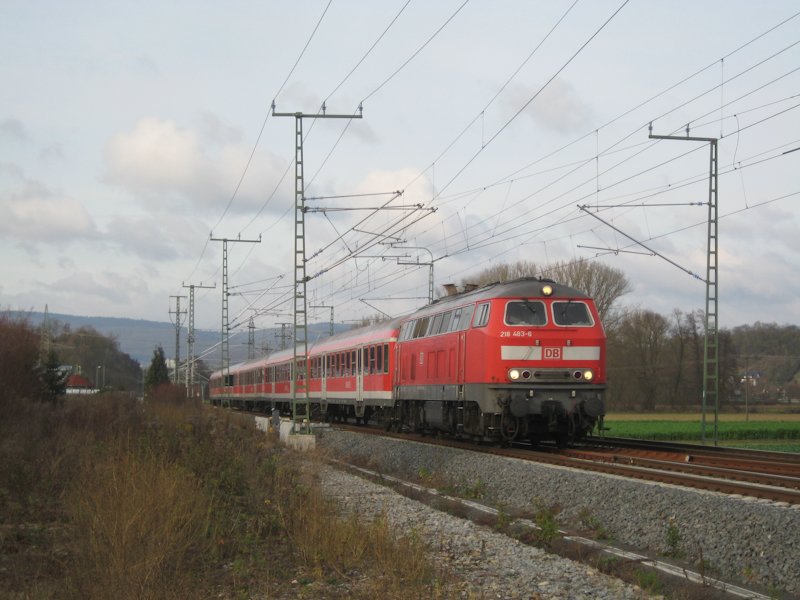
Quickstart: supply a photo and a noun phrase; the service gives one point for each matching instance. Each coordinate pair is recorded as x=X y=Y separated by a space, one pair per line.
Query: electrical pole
x=178 y=312
x=251 y=339
x=301 y=410
x=324 y=306
x=428 y=264
x=225 y=350
x=711 y=345
x=283 y=334
x=190 y=366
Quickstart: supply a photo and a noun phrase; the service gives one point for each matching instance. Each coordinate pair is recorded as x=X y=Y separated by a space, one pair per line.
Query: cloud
x=146 y=65
x=86 y=284
x=558 y=107
x=13 y=129
x=214 y=130
x=165 y=165
x=34 y=214
x=155 y=238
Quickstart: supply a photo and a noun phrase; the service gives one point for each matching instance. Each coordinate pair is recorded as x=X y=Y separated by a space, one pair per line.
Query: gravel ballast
x=488 y=564
x=738 y=539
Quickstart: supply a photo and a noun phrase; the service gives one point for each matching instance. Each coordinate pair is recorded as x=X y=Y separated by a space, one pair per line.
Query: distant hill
x=138 y=337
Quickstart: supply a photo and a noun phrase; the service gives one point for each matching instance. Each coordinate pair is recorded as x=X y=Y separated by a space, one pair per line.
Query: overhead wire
x=589 y=160
x=509 y=79
x=440 y=195
x=258 y=139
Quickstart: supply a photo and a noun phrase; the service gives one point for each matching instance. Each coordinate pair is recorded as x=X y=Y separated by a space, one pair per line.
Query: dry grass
x=106 y=498
x=140 y=528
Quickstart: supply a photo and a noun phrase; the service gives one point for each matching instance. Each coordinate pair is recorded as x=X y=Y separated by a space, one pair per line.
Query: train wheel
x=509 y=427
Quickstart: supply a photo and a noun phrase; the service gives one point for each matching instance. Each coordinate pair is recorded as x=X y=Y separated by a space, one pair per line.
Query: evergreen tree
x=54 y=380
x=157 y=372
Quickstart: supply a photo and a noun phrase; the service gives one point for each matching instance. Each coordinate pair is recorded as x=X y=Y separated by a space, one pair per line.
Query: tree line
x=653 y=361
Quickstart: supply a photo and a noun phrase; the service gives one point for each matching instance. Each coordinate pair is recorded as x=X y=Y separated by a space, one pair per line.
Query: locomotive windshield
x=572 y=314
x=526 y=312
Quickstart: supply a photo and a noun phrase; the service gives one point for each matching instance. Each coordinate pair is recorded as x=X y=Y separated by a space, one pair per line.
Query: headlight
x=547 y=290
x=513 y=374
x=588 y=375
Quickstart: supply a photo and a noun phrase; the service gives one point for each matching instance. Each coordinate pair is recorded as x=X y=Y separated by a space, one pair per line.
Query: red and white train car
x=520 y=359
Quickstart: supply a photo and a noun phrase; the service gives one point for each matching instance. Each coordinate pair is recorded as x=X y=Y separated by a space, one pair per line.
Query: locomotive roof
x=525 y=287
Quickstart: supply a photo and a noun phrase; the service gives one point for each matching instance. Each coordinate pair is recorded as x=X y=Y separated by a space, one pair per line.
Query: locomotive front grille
x=553 y=375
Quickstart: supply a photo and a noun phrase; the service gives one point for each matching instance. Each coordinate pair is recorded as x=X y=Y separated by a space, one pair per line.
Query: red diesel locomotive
x=523 y=359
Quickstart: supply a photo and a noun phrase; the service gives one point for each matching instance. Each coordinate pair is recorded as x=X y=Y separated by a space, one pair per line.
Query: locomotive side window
x=455 y=319
x=422 y=327
x=445 y=326
x=575 y=314
x=386 y=358
x=526 y=312
x=482 y=318
x=466 y=317
x=436 y=324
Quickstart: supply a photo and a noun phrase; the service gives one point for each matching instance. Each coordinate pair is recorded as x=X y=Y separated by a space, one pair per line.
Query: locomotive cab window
x=526 y=312
x=572 y=314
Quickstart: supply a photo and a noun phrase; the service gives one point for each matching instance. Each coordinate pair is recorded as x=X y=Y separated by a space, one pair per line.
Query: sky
x=132 y=133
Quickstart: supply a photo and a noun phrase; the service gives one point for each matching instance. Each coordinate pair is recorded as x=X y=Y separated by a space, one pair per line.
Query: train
x=505 y=362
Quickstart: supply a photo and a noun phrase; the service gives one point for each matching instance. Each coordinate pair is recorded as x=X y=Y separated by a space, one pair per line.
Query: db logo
x=552 y=353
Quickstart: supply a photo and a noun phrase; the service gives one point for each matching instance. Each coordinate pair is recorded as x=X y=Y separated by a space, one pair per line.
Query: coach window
x=482 y=318
x=574 y=314
x=379 y=359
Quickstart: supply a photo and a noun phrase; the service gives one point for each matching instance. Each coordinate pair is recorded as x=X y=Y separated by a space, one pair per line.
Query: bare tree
x=639 y=354
x=603 y=283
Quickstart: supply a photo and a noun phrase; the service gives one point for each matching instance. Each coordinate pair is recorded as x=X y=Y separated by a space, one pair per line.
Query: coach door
x=360 y=381
x=462 y=355
x=323 y=377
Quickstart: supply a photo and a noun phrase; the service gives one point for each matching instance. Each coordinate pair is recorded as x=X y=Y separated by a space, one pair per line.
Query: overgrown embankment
x=104 y=497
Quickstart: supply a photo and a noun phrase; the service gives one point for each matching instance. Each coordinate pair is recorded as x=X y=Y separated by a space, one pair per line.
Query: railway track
x=770 y=476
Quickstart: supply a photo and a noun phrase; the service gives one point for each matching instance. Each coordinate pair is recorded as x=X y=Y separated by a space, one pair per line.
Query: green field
x=780 y=432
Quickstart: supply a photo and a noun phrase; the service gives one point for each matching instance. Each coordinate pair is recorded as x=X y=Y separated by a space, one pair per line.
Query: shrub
x=141 y=527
